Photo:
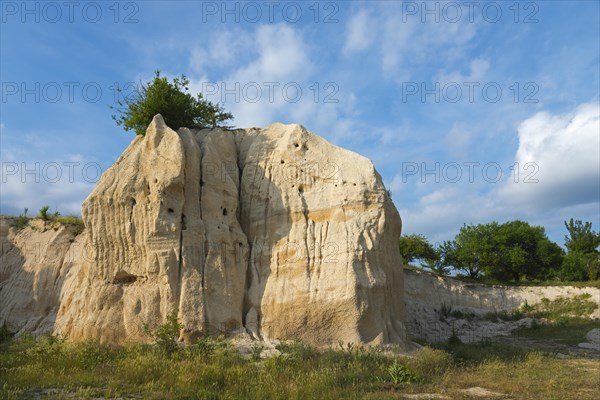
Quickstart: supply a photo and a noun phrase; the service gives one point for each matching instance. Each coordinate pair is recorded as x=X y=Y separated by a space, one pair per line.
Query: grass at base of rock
x=213 y=369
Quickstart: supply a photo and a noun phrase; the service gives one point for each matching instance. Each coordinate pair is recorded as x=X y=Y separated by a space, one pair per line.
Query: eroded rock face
x=324 y=263
x=273 y=231
x=33 y=265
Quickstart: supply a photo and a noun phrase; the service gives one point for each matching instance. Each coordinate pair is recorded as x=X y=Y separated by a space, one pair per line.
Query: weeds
x=212 y=369
x=22 y=220
x=166 y=336
x=6 y=334
x=295 y=349
x=579 y=306
x=399 y=373
x=73 y=222
x=256 y=351
x=44 y=213
x=445 y=310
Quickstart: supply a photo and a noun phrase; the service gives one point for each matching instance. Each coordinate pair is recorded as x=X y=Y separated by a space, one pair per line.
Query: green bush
x=178 y=108
x=398 y=373
x=256 y=351
x=166 y=337
x=295 y=349
x=21 y=221
x=6 y=334
x=44 y=213
x=580 y=266
x=430 y=363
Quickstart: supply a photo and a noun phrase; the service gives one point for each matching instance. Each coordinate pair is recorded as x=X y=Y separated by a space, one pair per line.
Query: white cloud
x=566 y=151
x=222 y=49
x=35 y=184
x=32 y=177
x=281 y=61
x=458 y=139
x=404 y=42
x=360 y=32
x=563 y=152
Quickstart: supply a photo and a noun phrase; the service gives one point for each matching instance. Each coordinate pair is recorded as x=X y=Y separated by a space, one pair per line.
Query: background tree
x=503 y=252
x=471 y=249
x=416 y=247
x=170 y=99
x=581 y=237
x=583 y=259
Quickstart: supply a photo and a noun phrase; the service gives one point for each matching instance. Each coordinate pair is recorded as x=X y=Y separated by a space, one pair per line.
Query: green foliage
x=22 y=220
x=565 y=320
x=44 y=213
x=71 y=221
x=579 y=266
x=295 y=349
x=580 y=306
x=6 y=334
x=416 y=248
x=582 y=238
x=471 y=249
x=413 y=247
x=454 y=339
x=473 y=353
x=565 y=330
x=398 y=373
x=582 y=263
x=429 y=362
x=170 y=99
x=166 y=337
x=503 y=252
x=53 y=368
x=256 y=351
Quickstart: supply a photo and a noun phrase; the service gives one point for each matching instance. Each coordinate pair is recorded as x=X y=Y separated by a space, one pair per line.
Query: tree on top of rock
x=170 y=99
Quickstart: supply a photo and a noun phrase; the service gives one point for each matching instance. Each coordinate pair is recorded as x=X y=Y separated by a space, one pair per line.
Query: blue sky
x=471 y=111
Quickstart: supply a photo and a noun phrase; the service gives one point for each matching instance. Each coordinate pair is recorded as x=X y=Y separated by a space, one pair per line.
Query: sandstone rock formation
x=271 y=231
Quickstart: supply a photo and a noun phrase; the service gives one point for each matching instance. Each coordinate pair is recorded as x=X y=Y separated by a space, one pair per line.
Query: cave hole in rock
x=124 y=278
x=300 y=189
x=224 y=212
x=171 y=210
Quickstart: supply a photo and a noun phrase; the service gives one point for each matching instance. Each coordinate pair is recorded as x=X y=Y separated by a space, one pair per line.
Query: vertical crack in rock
x=180 y=264
x=306 y=234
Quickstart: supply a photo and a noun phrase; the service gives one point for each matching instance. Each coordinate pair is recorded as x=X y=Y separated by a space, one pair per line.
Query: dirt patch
x=481 y=392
